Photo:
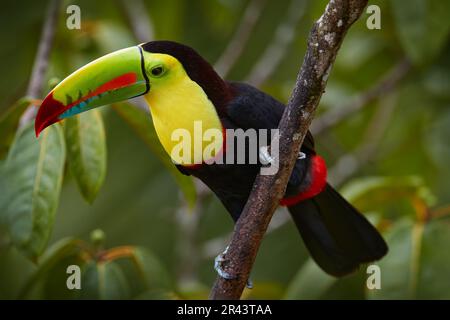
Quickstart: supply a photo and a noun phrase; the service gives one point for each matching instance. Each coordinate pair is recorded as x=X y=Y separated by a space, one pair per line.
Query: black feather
x=338 y=237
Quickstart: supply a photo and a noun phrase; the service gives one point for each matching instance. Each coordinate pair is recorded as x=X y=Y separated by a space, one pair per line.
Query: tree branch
x=42 y=58
x=324 y=41
x=237 y=44
x=387 y=84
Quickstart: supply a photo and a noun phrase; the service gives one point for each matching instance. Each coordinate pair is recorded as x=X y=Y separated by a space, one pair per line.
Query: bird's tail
x=337 y=236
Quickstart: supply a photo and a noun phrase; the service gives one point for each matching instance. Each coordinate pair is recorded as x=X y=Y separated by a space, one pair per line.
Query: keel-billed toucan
x=182 y=88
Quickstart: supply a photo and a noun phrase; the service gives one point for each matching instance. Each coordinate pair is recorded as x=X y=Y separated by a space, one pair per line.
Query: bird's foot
x=218 y=266
x=226 y=275
x=249 y=284
x=264 y=157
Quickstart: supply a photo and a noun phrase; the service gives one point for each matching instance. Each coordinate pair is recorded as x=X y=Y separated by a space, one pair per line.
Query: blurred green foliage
x=160 y=235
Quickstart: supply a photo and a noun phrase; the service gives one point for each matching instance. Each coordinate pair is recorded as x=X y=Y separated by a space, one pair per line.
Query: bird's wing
x=252 y=108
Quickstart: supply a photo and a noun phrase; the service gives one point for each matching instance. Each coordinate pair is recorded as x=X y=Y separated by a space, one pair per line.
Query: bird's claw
x=226 y=275
x=264 y=157
x=218 y=266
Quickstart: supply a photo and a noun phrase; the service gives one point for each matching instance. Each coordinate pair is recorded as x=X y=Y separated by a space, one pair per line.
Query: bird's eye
x=157 y=71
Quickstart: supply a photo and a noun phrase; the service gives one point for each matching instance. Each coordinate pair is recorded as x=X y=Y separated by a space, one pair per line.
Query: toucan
x=181 y=89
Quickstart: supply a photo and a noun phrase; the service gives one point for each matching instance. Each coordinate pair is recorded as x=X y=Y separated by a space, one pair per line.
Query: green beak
x=115 y=77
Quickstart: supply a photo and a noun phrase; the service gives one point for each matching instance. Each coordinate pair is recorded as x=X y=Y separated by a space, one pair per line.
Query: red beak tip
x=37 y=125
x=47 y=114
x=37 y=130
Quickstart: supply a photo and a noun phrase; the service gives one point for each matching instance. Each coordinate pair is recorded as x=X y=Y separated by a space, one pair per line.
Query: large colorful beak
x=115 y=77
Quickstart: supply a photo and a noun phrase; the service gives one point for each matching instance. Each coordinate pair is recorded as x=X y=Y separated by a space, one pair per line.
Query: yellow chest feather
x=183 y=116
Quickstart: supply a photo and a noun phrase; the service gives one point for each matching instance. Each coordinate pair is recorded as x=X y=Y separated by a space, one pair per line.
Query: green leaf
x=417 y=264
x=123 y=272
x=33 y=173
x=434 y=262
x=143 y=271
x=365 y=192
x=309 y=283
x=396 y=266
x=103 y=280
x=8 y=124
x=150 y=269
x=422 y=26
x=52 y=268
x=86 y=151
x=140 y=121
